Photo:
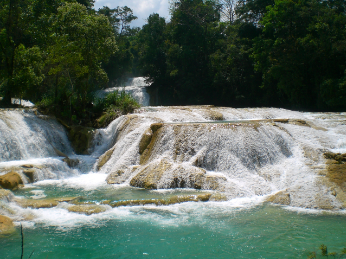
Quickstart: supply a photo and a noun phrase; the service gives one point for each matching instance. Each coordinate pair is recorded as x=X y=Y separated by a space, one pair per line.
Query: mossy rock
x=150 y=175
x=30 y=174
x=42 y=203
x=114 y=177
x=282 y=198
x=155 y=126
x=214 y=115
x=71 y=162
x=11 y=181
x=87 y=209
x=145 y=140
x=337 y=174
x=103 y=159
x=162 y=202
x=81 y=138
x=6 y=225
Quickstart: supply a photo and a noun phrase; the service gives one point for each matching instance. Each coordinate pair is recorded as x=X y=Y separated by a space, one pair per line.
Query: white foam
x=90 y=181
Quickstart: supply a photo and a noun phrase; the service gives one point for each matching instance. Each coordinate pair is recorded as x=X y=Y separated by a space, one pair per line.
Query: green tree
x=301 y=51
x=120 y=63
x=193 y=33
x=14 y=31
x=79 y=44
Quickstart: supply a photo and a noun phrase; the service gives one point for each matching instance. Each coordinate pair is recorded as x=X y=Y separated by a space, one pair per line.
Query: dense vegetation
x=283 y=53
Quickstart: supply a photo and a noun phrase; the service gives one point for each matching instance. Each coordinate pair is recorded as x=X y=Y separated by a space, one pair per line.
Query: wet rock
x=150 y=175
x=30 y=174
x=104 y=158
x=81 y=138
x=335 y=156
x=27 y=166
x=298 y=122
x=115 y=177
x=6 y=225
x=59 y=153
x=218 y=197
x=196 y=180
x=215 y=182
x=324 y=202
x=282 y=197
x=71 y=162
x=6 y=195
x=11 y=181
x=43 y=203
x=161 y=202
x=87 y=209
x=155 y=126
x=214 y=115
x=145 y=140
x=36 y=204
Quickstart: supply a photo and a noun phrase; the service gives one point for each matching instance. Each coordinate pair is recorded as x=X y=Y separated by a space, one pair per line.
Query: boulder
x=71 y=162
x=115 y=177
x=11 y=181
x=150 y=175
x=30 y=174
x=87 y=209
x=81 y=138
x=282 y=197
x=6 y=225
x=104 y=158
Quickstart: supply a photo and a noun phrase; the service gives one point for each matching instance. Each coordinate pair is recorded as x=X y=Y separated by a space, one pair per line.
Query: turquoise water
x=189 y=230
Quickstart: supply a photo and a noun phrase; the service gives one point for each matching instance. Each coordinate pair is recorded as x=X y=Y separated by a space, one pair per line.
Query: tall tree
x=193 y=36
x=301 y=50
x=80 y=42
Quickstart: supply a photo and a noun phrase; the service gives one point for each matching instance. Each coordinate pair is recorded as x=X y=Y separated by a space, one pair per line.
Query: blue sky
x=141 y=8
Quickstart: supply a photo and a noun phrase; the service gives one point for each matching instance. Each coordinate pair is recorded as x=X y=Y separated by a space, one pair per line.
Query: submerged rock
x=87 y=209
x=6 y=225
x=43 y=203
x=11 y=181
x=172 y=200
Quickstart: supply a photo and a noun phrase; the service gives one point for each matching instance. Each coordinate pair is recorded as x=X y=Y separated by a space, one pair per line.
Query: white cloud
x=141 y=8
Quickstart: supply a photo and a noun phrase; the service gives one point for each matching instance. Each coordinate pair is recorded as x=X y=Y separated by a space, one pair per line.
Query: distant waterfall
x=135 y=86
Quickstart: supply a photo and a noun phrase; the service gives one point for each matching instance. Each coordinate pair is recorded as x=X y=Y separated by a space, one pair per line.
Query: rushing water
x=251 y=157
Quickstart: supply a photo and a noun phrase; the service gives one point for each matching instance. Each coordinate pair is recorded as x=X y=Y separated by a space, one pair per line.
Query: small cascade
x=135 y=86
x=25 y=135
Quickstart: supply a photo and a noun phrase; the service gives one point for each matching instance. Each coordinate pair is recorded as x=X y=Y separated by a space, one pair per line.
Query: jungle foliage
x=282 y=53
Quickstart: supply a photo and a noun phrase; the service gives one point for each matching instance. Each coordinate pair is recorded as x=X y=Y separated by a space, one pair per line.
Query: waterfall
x=251 y=152
x=25 y=135
x=235 y=153
x=135 y=86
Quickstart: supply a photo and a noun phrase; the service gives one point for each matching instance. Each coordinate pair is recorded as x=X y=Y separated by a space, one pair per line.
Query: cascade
x=190 y=167
x=135 y=86
x=24 y=135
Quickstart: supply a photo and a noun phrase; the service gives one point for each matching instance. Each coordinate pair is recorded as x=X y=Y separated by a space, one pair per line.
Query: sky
x=141 y=8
